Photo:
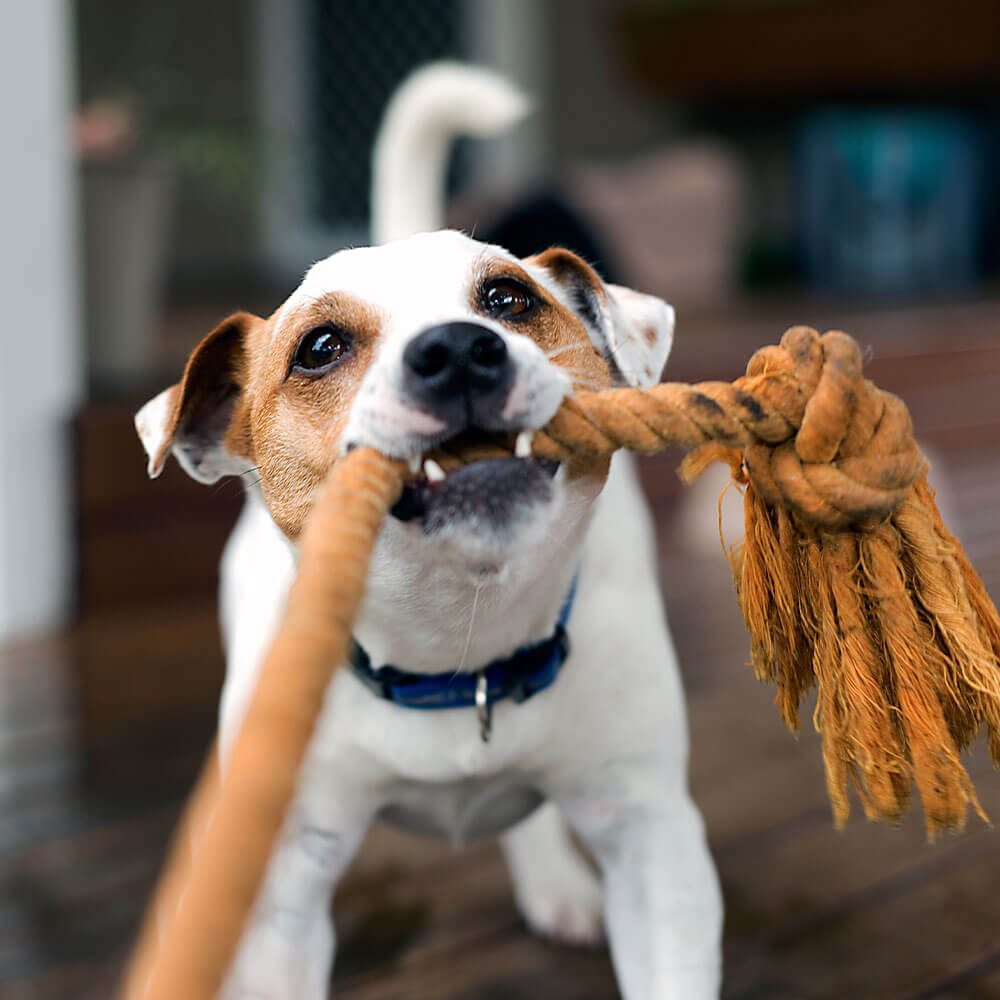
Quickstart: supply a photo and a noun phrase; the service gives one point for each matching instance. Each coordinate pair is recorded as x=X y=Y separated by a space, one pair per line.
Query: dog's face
x=405 y=347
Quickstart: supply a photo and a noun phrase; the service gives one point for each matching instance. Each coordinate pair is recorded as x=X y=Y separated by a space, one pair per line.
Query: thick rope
x=819 y=438
x=225 y=839
x=848 y=581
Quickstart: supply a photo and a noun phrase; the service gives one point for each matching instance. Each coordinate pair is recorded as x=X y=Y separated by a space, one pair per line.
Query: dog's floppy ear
x=201 y=419
x=632 y=331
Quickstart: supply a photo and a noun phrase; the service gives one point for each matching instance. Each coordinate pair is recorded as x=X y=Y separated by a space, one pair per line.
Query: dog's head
x=404 y=347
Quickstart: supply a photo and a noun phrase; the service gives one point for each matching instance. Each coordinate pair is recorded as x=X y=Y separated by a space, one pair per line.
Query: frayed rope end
x=895 y=629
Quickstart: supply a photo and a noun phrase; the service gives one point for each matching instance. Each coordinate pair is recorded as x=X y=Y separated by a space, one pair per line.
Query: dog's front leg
x=557 y=893
x=287 y=947
x=663 y=906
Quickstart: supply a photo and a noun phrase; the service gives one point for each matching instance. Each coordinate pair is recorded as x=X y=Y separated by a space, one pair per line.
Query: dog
x=506 y=570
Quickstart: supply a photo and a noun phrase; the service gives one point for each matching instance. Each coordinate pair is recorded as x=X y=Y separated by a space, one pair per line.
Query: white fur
x=429 y=110
x=151 y=426
x=606 y=744
x=633 y=315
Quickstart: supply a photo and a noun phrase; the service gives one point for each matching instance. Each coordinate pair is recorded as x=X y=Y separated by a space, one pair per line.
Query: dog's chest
x=463 y=809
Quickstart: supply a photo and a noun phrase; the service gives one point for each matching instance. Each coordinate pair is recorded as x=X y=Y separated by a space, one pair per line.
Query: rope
x=848 y=581
x=819 y=438
x=190 y=932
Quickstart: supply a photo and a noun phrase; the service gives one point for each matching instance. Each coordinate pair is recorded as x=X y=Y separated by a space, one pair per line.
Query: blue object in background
x=891 y=202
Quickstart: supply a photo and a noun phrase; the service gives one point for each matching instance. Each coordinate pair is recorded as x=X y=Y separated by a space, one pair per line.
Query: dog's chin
x=484 y=509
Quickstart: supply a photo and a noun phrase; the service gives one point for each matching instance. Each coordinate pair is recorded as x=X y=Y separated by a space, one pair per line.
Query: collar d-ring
x=484 y=710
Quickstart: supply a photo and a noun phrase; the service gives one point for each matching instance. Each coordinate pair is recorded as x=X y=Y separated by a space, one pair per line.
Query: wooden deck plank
x=894 y=942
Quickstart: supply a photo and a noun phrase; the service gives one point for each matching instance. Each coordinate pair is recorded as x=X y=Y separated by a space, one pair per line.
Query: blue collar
x=521 y=675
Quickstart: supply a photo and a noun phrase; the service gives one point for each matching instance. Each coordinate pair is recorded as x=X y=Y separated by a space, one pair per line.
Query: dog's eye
x=320 y=349
x=505 y=298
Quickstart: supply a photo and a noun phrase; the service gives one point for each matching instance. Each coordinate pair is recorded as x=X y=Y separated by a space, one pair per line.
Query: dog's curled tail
x=431 y=108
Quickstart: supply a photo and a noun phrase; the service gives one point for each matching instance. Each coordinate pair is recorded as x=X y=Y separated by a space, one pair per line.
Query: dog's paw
x=281 y=958
x=565 y=906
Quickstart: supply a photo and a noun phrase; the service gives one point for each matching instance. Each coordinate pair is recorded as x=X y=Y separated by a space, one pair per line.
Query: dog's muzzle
x=462 y=374
x=459 y=372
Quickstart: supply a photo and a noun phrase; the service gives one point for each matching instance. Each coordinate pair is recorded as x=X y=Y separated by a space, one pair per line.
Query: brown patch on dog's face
x=571 y=345
x=557 y=330
x=295 y=418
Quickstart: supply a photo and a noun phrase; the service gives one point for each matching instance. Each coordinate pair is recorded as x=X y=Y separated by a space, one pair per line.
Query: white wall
x=39 y=342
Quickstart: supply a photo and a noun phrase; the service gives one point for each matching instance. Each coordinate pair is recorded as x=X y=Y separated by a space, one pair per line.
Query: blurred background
x=758 y=163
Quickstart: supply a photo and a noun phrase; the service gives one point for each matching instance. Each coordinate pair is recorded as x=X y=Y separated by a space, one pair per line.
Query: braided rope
x=848 y=580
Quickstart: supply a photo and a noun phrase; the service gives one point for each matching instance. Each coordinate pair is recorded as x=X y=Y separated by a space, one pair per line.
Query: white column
x=39 y=319
x=511 y=36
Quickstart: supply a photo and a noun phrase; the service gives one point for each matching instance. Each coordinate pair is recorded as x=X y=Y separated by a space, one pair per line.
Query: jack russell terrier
x=513 y=672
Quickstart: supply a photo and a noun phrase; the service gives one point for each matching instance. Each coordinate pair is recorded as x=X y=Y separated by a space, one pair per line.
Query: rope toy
x=848 y=581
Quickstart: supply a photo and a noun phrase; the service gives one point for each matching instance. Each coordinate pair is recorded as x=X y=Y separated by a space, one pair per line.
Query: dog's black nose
x=462 y=365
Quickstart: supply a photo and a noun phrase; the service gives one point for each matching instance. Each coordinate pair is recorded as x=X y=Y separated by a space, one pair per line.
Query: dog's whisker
x=247 y=485
x=555 y=352
x=586 y=380
x=226 y=484
x=472 y=622
x=584 y=377
x=577 y=369
x=578 y=375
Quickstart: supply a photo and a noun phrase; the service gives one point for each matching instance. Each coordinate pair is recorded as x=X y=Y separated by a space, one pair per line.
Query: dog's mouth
x=487 y=492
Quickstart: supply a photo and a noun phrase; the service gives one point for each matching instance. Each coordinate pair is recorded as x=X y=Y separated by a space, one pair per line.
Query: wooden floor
x=870 y=912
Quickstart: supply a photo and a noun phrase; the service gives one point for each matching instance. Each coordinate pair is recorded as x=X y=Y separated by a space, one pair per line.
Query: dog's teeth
x=522 y=446
x=414 y=463
x=433 y=471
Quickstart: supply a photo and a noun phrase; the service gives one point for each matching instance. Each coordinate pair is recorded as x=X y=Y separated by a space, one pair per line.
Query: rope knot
x=852 y=458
